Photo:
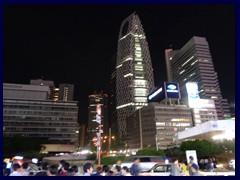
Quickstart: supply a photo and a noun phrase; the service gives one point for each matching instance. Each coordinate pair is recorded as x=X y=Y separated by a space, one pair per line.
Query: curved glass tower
x=134 y=73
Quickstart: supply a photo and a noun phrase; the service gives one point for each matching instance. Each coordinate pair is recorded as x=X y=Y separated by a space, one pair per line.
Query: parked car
x=159 y=169
x=146 y=162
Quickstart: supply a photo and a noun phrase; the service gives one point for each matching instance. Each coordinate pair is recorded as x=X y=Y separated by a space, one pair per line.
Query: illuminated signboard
x=172 y=90
x=156 y=96
x=192 y=90
x=168 y=90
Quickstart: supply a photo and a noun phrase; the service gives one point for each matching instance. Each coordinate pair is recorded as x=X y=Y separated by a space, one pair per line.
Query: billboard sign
x=192 y=90
x=157 y=95
x=172 y=90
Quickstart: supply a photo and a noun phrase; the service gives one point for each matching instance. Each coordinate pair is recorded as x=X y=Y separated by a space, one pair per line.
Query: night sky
x=75 y=43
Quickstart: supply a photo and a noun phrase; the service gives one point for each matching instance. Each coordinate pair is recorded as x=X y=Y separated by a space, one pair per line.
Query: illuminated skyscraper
x=134 y=73
x=66 y=92
x=193 y=62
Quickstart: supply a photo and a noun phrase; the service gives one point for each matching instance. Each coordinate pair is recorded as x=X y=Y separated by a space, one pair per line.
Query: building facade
x=193 y=62
x=27 y=112
x=66 y=92
x=134 y=73
x=156 y=125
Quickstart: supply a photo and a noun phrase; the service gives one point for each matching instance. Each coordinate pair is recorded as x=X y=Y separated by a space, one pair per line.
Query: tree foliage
x=20 y=145
x=150 y=152
x=203 y=147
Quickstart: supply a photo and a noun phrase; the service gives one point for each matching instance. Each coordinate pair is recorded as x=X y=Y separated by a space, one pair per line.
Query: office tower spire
x=134 y=73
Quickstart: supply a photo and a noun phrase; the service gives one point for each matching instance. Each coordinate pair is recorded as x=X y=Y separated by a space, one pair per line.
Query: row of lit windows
x=12 y=123
x=38 y=118
x=40 y=113
x=41 y=135
x=39 y=107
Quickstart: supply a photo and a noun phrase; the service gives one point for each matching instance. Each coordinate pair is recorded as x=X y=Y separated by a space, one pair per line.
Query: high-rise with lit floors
x=193 y=63
x=66 y=92
x=134 y=73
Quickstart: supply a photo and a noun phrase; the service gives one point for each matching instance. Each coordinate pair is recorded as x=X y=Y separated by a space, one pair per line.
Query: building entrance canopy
x=209 y=130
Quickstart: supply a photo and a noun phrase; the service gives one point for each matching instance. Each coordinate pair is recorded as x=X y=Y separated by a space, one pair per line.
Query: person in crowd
x=87 y=169
x=135 y=168
x=52 y=170
x=119 y=162
x=210 y=164
x=31 y=173
x=16 y=170
x=110 y=173
x=125 y=171
x=175 y=168
x=117 y=171
x=61 y=162
x=105 y=170
x=24 y=169
x=43 y=169
x=98 y=171
x=73 y=171
x=191 y=161
x=195 y=170
x=65 y=169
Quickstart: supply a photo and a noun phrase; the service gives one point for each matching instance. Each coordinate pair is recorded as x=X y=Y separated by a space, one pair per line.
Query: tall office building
x=134 y=73
x=193 y=62
x=66 y=92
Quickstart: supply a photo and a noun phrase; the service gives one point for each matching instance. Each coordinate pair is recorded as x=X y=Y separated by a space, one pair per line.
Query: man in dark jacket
x=135 y=169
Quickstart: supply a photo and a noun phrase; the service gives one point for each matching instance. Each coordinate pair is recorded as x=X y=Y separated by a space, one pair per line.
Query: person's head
x=61 y=162
x=74 y=169
x=125 y=170
x=175 y=161
x=118 y=169
x=136 y=160
x=52 y=171
x=65 y=166
x=16 y=167
x=110 y=173
x=105 y=168
x=31 y=173
x=25 y=166
x=119 y=162
x=99 y=170
x=44 y=166
x=191 y=158
x=88 y=168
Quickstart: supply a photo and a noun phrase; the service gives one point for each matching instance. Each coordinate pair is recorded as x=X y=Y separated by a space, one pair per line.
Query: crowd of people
x=65 y=169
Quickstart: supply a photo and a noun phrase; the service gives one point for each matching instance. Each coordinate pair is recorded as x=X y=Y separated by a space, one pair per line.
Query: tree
x=203 y=147
x=20 y=145
x=150 y=152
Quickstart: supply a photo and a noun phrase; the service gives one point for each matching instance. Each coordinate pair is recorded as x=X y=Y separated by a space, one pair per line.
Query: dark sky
x=75 y=43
